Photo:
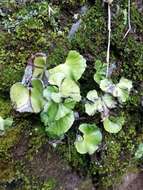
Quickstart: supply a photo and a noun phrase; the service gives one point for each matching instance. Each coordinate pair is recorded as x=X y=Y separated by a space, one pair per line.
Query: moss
x=5 y=108
x=50 y=184
x=37 y=139
x=92 y=34
x=117 y=156
x=26 y=30
x=7 y=171
x=70 y=155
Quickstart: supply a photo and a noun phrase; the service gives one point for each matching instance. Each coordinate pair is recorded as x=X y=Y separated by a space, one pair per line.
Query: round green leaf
x=62 y=111
x=92 y=137
x=94 y=104
x=19 y=95
x=108 y=101
x=125 y=84
x=107 y=86
x=69 y=89
x=61 y=126
x=76 y=64
x=5 y=123
x=114 y=124
x=27 y=99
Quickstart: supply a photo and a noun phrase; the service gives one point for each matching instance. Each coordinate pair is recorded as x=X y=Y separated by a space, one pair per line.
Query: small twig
x=129 y=19
x=109 y=39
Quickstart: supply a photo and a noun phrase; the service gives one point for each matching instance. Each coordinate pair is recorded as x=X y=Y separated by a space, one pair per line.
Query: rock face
x=132 y=181
x=27 y=161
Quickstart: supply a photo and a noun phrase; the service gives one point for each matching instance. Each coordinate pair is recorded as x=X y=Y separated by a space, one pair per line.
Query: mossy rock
x=5 y=108
x=112 y=160
x=7 y=171
x=25 y=30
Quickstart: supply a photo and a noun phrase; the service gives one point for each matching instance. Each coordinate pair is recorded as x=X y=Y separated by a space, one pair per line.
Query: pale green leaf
x=4 y=124
x=139 y=151
x=93 y=103
x=125 y=84
x=27 y=99
x=122 y=90
x=107 y=86
x=76 y=64
x=121 y=94
x=92 y=137
x=62 y=111
x=47 y=92
x=108 y=101
x=19 y=95
x=61 y=126
x=69 y=89
x=92 y=95
x=36 y=96
x=113 y=124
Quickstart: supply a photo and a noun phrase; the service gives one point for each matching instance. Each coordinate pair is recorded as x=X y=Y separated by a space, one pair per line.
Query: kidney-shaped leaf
x=19 y=95
x=113 y=124
x=122 y=90
x=57 y=74
x=73 y=68
x=76 y=64
x=125 y=84
x=61 y=126
x=27 y=99
x=107 y=86
x=5 y=123
x=93 y=103
x=69 y=89
x=108 y=101
x=57 y=118
x=92 y=137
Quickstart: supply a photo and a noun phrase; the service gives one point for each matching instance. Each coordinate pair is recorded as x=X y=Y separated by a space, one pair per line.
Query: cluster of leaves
x=56 y=91
x=4 y=124
x=62 y=94
x=27 y=96
x=114 y=94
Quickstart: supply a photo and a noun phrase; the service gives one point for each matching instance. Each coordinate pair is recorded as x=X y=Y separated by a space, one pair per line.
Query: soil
x=132 y=181
x=47 y=164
